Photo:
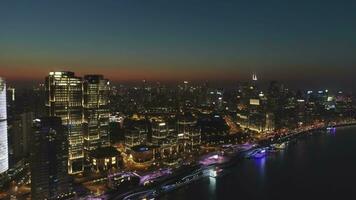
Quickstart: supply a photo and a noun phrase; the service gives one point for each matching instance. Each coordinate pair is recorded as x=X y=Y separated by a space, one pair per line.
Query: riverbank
x=238 y=157
x=318 y=165
x=176 y=180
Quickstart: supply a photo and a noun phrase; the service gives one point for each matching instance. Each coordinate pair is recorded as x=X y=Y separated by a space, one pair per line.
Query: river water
x=320 y=166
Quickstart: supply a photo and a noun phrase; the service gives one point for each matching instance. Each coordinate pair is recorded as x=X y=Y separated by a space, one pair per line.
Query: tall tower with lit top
x=64 y=99
x=254 y=77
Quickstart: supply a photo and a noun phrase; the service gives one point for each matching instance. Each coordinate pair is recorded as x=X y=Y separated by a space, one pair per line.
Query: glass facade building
x=64 y=99
x=96 y=92
x=4 y=156
x=160 y=133
x=49 y=160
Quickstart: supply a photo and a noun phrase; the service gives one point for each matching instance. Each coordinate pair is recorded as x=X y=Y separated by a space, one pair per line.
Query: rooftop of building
x=142 y=148
x=105 y=152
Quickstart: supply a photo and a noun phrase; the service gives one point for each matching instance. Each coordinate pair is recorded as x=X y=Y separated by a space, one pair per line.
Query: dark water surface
x=321 y=166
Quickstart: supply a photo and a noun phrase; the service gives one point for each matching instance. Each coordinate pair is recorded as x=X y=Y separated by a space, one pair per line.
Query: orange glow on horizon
x=119 y=74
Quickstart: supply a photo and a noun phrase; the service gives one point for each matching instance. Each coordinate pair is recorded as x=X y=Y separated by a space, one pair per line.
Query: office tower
x=256 y=115
x=135 y=137
x=19 y=136
x=270 y=122
x=160 y=132
x=96 y=92
x=188 y=131
x=4 y=159
x=185 y=124
x=64 y=99
x=49 y=160
x=300 y=108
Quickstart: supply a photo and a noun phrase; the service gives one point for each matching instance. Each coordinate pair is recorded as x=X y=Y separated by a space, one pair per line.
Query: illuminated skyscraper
x=4 y=158
x=160 y=132
x=135 y=137
x=254 y=77
x=189 y=131
x=49 y=160
x=64 y=99
x=96 y=91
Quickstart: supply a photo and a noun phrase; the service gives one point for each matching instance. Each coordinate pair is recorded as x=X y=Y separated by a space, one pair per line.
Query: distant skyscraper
x=11 y=94
x=254 y=77
x=64 y=99
x=96 y=92
x=49 y=160
x=4 y=158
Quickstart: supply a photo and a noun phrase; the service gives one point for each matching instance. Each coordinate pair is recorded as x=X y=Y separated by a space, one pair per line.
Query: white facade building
x=4 y=159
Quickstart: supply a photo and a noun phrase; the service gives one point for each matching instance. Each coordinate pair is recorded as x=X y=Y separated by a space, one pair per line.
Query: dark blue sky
x=169 y=40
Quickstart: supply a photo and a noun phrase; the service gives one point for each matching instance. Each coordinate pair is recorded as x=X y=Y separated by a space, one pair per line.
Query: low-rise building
x=105 y=158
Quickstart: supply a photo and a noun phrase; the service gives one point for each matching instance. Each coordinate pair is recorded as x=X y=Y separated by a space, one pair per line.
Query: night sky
x=307 y=42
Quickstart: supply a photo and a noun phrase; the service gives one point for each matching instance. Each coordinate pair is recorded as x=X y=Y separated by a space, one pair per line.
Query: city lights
x=149 y=100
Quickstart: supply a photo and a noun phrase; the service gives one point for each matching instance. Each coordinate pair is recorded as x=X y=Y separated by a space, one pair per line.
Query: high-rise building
x=188 y=131
x=96 y=92
x=160 y=132
x=64 y=99
x=49 y=160
x=4 y=158
x=254 y=77
x=11 y=94
x=135 y=137
x=19 y=136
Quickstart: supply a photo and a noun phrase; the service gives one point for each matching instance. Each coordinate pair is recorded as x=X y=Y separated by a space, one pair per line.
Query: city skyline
x=197 y=41
x=89 y=138
x=198 y=99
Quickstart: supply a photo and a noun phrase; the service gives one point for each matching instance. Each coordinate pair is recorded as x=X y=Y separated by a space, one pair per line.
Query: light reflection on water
x=212 y=185
x=333 y=131
x=261 y=165
x=301 y=171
